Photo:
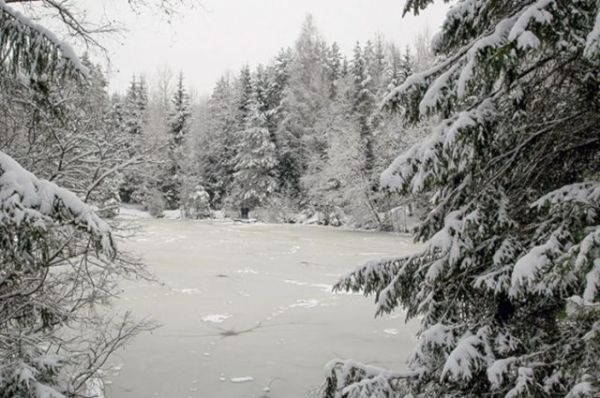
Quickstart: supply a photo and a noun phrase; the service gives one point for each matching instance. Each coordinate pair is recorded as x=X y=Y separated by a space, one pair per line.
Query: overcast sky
x=226 y=34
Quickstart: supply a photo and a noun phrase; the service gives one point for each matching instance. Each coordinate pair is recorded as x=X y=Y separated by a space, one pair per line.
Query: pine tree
x=254 y=178
x=277 y=81
x=267 y=97
x=218 y=146
x=364 y=101
x=134 y=107
x=378 y=65
x=141 y=99
x=179 y=120
x=244 y=98
x=506 y=286
x=334 y=68
x=134 y=116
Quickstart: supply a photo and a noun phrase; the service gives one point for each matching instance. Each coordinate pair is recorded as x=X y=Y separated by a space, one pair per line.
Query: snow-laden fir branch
x=26 y=46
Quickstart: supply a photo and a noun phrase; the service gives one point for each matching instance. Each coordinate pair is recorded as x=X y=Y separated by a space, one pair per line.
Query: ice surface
x=310 y=303
x=188 y=291
x=284 y=324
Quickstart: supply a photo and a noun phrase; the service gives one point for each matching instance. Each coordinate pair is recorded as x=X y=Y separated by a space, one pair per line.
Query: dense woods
x=298 y=138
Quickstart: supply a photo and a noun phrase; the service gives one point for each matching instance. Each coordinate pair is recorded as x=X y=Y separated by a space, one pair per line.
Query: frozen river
x=245 y=307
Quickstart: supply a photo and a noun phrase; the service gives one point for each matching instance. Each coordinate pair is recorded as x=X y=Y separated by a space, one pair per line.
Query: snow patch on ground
x=172 y=215
x=133 y=212
x=393 y=332
x=247 y=271
x=321 y=286
x=190 y=290
x=291 y=282
x=310 y=303
x=216 y=318
x=243 y=379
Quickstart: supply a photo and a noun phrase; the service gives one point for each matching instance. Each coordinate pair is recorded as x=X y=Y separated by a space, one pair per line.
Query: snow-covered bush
x=110 y=208
x=280 y=208
x=156 y=204
x=507 y=285
x=197 y=205
x=110 y=201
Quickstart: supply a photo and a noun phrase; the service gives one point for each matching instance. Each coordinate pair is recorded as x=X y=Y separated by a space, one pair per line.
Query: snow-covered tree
x=378 y=64
x=244 y=93
x=337 y=188
x=172 y=175
x=424 y=53
x=334 y=68
x=398 y=68
x=59 y=259
x=67 y=131
x=305 y=99
x=51 y=246
x=135 y=106
x=506 y=286
x=136 y=102
x=364 y=100
x=254 y=178
x=217 y=147
x=197 y=203
x=278 y=78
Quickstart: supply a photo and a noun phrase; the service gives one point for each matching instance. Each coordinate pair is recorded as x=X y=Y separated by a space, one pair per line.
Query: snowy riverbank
x=137 y=212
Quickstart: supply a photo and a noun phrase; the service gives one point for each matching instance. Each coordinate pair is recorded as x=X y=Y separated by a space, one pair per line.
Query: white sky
x=225 y=34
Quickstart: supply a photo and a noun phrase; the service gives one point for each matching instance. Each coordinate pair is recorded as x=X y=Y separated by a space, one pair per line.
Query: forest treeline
x=298 y=138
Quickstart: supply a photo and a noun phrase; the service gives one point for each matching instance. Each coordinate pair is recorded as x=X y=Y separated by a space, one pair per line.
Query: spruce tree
x=334 y=68
x=135 y=106
x=132 y=188
x=277 y=81
x=364 y=101
x=179 y=120
x=507 y=284
x=244 y=98
x=254 y=178
x=217 y=151
x=378 y=65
